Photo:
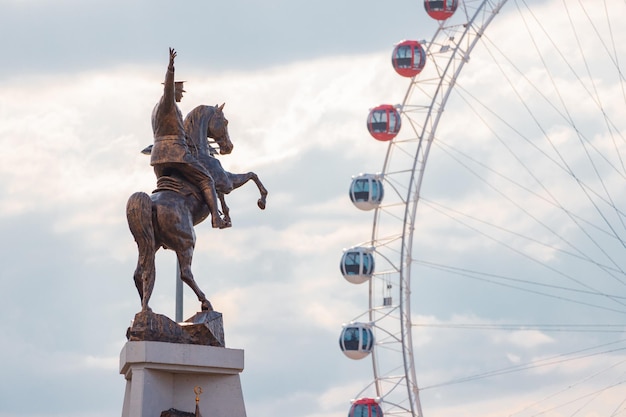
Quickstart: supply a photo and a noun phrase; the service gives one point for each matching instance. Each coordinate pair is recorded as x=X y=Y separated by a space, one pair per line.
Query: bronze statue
x=170 y=151
x=168 y=216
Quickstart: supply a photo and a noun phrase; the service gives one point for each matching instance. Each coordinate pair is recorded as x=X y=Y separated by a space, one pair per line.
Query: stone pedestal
x=161 y=376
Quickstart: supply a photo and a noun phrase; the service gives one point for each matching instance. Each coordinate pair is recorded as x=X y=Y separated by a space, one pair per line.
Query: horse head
x=208 y=122
x=218 y=129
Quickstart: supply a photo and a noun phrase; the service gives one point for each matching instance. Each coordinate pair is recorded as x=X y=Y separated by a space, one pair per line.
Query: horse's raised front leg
x=184 y=261
x=240 y=179
x=261 y=201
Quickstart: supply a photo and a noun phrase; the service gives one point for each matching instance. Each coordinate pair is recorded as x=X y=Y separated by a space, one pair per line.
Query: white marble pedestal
x=161 y=375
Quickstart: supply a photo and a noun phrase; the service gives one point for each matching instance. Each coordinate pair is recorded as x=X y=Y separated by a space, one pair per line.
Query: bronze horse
x=168 y=216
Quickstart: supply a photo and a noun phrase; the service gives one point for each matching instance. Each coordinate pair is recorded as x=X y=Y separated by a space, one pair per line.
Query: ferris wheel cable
x=593 y=395
x=540 y=363
x=568 y=388
x=569 y=328
x=554 y=202
x=586 y=379
x=515 y=369
x=564 y=168
x=449 y=149
x=590 y=397
x=548 y=101
x=491 y=280
x=578 y=133
x=440 y=208
x=613 y=127
x=579 y=253
x=596 y=95
x=616 y=411
x=585 y=189
x=522 y=101
x=613 y=54
x=473 y=273
x=464 y=94
x=614 y=50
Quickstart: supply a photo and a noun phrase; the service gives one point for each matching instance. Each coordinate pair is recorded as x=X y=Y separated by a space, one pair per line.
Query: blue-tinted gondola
x=356 y=340
x=357 y=264
x=366 y=191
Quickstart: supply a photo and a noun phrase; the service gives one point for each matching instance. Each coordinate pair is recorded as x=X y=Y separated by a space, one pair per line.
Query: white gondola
x=356 y=340
x=366 y=191
x=357 y=264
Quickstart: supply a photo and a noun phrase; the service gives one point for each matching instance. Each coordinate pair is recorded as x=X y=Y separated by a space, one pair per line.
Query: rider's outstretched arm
x=168 y=85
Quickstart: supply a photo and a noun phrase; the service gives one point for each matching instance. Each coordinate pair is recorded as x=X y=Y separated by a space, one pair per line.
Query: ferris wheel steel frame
x=447 y=53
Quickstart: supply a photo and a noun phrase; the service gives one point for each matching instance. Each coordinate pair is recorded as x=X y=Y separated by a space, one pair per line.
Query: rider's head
x=178 y=90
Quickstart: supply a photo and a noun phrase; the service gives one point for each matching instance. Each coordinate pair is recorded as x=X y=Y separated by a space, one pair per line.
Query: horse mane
x=196 y=123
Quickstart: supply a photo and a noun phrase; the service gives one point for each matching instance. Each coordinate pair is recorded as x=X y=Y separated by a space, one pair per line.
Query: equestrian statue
x=190 y=180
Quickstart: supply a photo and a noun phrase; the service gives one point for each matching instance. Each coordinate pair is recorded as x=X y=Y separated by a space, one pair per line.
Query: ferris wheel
x=531 y=146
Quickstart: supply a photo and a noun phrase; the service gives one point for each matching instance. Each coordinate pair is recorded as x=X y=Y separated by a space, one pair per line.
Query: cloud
x=80 y=136
x=72 y=123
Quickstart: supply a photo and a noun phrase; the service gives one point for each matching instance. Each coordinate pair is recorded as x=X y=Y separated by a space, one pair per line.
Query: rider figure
x=170 y=149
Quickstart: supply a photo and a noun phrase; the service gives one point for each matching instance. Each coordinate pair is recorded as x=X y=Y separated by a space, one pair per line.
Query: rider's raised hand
x=172 y=56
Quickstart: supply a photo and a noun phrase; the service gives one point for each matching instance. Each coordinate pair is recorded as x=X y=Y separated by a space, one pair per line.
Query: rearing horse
x=168 y=216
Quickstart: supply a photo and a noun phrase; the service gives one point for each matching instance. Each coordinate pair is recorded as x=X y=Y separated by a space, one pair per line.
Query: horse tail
x=139 y=216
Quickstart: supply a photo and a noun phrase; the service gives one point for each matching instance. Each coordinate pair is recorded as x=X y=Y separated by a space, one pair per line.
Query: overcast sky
x=78 y=82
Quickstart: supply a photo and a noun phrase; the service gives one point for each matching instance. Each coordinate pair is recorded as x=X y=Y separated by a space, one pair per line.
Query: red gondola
x=383 y=122
x=365 y=407
x=440 y=9
x=408 y=58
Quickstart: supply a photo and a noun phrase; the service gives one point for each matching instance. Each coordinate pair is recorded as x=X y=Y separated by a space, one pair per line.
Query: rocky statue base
x=204 y=328
x=164 y=361
x=161 y=377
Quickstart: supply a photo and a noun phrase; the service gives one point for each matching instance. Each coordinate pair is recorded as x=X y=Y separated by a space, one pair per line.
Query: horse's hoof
x=218 y=223
x=261 y=203
x=206 y=306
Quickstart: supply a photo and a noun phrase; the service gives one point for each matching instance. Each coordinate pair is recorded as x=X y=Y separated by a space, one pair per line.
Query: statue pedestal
x=161 y=376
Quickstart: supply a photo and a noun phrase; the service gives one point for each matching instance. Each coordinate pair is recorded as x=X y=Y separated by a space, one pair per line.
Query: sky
x=77 y=88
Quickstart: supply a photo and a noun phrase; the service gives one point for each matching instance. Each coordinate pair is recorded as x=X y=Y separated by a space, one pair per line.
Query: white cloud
x=71 y=158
